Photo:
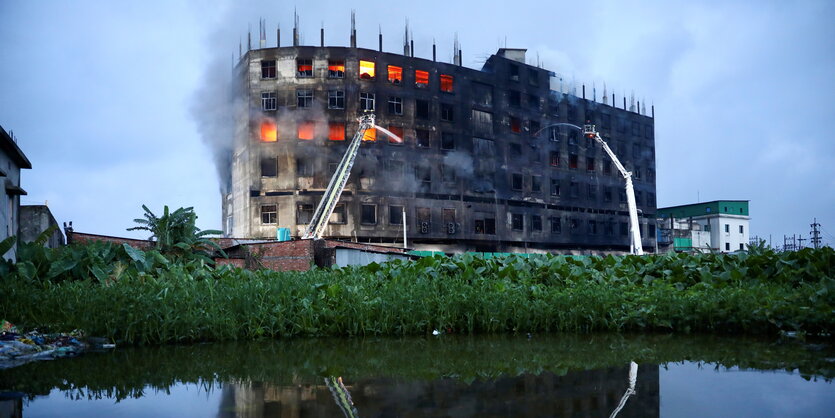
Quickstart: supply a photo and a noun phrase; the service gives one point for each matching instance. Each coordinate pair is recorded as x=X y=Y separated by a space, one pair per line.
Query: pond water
x=451 y=376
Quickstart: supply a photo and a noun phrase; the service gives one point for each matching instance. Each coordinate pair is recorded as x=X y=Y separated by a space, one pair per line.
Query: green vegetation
x=176 y=234
x=138 y=297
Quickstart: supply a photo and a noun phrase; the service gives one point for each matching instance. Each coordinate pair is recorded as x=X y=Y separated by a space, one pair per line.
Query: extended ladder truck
x=340 y=177
x=635 y=246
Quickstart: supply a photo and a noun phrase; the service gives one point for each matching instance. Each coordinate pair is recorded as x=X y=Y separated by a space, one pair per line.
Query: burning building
x=480 y=166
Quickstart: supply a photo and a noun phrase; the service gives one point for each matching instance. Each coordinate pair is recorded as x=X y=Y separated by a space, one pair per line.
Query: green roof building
x=719 y=225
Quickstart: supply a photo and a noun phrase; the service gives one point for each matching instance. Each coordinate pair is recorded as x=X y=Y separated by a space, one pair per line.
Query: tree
x=175 y=233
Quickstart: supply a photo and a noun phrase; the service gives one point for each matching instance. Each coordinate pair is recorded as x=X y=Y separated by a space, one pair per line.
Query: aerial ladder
x=340 y=177
x=635 y=246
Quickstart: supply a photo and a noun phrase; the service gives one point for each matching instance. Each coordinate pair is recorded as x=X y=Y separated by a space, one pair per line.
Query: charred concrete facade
x=480 y=167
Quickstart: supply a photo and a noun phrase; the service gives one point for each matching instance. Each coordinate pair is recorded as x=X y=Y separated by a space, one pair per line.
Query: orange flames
x=306 y=130
x=367 y=70
x=421 y=78
x=446 y=83
x=336 y=131
x=268 y=131
x=395 y=74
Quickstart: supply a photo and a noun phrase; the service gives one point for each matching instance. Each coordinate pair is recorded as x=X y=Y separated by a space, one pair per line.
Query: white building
x=720 y=225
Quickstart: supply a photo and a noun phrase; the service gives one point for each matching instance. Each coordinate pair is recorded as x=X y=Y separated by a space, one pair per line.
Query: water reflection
x=562 y=375
x=581 y=393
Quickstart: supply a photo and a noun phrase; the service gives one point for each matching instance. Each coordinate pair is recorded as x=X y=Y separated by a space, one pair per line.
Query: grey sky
x=100 y=94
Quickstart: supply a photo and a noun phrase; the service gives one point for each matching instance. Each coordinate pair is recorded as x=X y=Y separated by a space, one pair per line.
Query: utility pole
x=816 y=233
x=800 y=242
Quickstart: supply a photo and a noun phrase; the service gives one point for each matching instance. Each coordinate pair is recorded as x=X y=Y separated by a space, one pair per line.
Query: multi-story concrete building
x=720 y=225
x=12 y=160
x=480 y=167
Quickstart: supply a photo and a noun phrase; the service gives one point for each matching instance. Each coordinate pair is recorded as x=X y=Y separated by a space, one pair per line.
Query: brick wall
x=82 y=238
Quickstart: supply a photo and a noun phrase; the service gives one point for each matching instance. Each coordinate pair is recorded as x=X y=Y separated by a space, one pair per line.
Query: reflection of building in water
x=593 y=393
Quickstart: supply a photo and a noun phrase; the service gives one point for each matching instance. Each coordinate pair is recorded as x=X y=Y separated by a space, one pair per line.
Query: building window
x=533 y=77
x=395 y=105
x=268 y=131
x=621 y=195
x=339 y=215
x=268 y=101
x=592 y=191
x=395 y=74
x=517 y=222
x=446 y=83
x=727 y=246
x=555 y=187
x=304 y=214
x=607 y=168
x=572 y=137
x=395 y=215
x=556 y=225
x=637 y=172
x=395 y=169
x=367 y=101
x=268 y=69
x=336 y=99
x=397 y=131
x=536 y=184
x=727 y=228
x=572 y=114
x=484 y=225
x=421 y=79
x=423 y=175
x=533 y=102
x=516 y=181
x=609 y=228
x=447 y=140
x=514 y=149
x=482 y=94
x=269 y=214
x=336 y=69
x=536 y=223
x=590 y=163
x=741 y=229
x=448 y=173
x=269 y=168
x=514 y=72
x=741 y=247
x=636 y=128
x=336 y=131
x=607 y=194
x=424 y=220
x=304 y=68
x=574 y=189
x=554 y=133
x=482 y=123
x=572 y=161
x=534 y=127
x=592 y=227
x=648 y=132
x=422 y=138
x=514 y=98
x=304 y=168
x=367 y=70
x=447 y=113
x=368 y=214
x=422 y=109
x=515 y=125
x=306 y=130
x=304 y=98
x=554 y=158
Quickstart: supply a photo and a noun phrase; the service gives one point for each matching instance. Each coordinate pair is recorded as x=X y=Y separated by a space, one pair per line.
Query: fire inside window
x=304 y=68
x=367 y=70
x=421 y=79
x=370 y=135
x=446 y=83
x=268 y=69
x=336 y=99
x=306 y=130
x=367 y=101
x=336 y=131
x=268 y=101
x=395 y=74
x=268 y=131
x=269 y=215
x=336 y=69
x=515 y=124
x=397 y=130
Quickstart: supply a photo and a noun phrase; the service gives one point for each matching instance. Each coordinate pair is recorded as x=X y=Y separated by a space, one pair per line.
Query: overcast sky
x=99 y=94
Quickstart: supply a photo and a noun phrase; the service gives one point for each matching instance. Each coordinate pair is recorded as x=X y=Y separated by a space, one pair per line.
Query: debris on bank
x=18 y=348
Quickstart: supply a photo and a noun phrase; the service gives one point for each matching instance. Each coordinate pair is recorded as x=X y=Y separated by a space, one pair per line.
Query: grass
x=152 y=301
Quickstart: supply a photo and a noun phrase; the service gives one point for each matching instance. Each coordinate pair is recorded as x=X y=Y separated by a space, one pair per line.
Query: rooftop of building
x=715 y=207
x=9 y=146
